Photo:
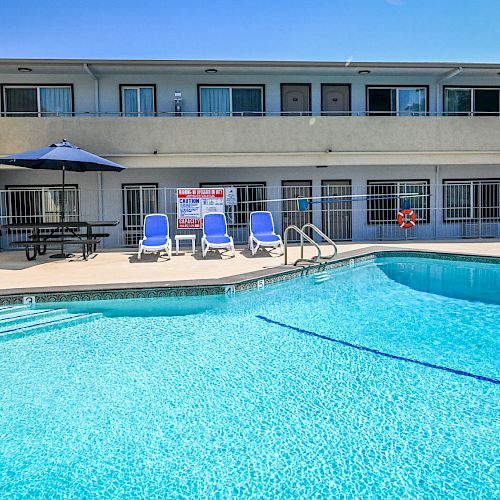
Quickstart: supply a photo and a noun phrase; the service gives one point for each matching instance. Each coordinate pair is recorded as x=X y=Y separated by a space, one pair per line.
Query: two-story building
x=370 y=132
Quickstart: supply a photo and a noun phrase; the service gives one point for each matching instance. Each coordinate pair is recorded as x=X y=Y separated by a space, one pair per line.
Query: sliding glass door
x=227 y=101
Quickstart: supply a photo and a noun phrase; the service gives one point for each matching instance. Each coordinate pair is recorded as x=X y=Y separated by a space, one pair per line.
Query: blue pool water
x=297 y=390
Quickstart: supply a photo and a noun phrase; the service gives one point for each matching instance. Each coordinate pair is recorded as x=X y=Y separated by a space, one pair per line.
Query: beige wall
x=269 y=141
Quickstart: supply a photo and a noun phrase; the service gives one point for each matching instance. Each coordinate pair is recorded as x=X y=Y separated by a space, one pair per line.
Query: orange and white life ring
x=403 y=222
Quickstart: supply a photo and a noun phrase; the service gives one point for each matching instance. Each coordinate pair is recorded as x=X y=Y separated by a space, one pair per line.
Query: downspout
x=96 y=87
x=100 y=193
x=448 y=75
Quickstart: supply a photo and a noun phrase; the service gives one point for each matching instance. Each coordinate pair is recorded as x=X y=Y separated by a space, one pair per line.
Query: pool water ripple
x=220 y=403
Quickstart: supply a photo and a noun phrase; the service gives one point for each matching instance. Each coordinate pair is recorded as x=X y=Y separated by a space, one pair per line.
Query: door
x=139 y=200
x=295 y=98
x=291 y=214
x=337 y=214
x=335 y=99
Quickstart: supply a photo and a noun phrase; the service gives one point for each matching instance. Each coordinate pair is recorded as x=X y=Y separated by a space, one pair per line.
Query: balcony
x=192 y=141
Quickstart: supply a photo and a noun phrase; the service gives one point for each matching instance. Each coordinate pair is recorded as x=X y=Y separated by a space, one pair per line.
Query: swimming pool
x=382 y=381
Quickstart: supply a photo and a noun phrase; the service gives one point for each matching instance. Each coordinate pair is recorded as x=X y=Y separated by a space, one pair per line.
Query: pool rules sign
x=194 y=203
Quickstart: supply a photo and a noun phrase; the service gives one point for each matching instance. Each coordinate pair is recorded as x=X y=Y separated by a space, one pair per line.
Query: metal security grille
x=138 y=201
x=291 y=190
x=475 y=204
x=364 y=212
x=336 y=215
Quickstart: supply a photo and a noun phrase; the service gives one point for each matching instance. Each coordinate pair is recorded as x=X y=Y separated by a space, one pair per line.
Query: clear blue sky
x=366 y=30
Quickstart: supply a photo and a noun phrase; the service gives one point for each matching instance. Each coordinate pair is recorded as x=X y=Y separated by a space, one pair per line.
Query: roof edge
x=250 y=63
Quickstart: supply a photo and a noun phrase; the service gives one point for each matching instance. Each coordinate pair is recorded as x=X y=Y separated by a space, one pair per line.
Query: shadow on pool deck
x=121 y=269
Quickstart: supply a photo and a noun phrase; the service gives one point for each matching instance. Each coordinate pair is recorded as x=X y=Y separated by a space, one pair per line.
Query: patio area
x=111 y=268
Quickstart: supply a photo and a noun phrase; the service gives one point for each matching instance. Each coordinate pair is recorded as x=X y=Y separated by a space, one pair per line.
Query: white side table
x=185 y=237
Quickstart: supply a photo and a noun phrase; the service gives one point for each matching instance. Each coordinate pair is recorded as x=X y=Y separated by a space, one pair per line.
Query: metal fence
x=345 y=212
x=237 y=114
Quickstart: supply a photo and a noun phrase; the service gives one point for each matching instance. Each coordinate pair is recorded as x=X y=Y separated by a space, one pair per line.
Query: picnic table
x=60 y=234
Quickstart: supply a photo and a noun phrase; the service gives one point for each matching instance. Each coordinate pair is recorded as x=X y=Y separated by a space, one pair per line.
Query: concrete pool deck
x=120 y=268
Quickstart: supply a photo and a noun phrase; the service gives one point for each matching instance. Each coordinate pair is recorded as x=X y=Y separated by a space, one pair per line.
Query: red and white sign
x=194 y=203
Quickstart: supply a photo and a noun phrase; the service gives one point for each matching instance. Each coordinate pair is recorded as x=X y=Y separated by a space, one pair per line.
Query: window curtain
x=54 y=100
x=247 y=101
x=130 y=102
x=147 y=101
x=215 y=102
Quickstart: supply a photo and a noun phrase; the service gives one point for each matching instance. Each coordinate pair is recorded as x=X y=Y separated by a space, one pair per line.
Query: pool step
x=28 y=316
x=56 y=319
x=11 y=309
x=320 y=277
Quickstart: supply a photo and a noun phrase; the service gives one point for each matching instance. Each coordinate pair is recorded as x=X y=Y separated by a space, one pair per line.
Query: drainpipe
x=451 y=74
x=96 y=87
x=100 y=194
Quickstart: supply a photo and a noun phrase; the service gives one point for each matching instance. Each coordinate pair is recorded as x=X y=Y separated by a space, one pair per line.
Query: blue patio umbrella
x=62 y=156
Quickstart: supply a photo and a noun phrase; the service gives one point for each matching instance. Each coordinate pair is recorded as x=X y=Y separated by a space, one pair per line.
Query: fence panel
x=451 y=210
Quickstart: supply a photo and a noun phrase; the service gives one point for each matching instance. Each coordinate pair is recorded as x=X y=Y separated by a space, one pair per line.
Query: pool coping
x=228 y=285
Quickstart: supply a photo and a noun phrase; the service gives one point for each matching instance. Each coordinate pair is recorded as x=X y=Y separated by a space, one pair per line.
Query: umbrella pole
x=62 y=255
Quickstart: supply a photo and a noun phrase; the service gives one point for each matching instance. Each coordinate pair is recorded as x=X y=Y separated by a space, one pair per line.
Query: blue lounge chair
x=156 y=235
x=215 y=233
x=262 y=232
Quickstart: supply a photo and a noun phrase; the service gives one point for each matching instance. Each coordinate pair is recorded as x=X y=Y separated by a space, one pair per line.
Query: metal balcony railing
x=242 y=114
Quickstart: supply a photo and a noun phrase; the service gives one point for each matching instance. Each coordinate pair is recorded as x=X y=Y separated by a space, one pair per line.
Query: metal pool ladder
x=303 y=236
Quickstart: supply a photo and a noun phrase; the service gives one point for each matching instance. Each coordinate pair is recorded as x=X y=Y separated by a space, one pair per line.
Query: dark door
x=335 y=99
x=295 y=98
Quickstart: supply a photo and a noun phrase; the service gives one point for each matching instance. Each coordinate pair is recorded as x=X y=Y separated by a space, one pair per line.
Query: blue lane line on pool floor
x=381 y=353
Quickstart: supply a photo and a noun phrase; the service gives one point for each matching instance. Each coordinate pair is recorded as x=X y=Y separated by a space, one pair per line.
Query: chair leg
x=282 y=247
x=255 y=248
x=139 y=252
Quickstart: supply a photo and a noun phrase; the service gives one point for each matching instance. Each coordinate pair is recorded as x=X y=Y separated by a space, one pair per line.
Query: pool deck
x=120 y=269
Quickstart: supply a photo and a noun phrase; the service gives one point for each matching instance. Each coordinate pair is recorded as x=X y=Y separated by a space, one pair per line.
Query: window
x=227 y=100
x=468 y=200
x=401 y=101
x=472 y=101
x=386 y=198
x=138 y=201
x=250 y=198
x=138 y=100
x=29 y=100
x=29 y=204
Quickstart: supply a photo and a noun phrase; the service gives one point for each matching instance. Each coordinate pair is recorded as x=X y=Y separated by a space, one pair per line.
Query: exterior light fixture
x=24 y=70
x=364 y=72
x=211 y=71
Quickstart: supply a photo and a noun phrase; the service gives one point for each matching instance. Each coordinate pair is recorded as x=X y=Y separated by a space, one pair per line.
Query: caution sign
x=194 y=203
